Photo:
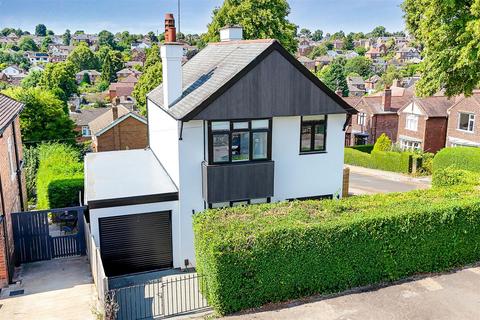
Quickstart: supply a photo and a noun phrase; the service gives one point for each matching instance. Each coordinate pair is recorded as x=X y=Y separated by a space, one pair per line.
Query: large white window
x=412 y=122
x=11 y=157
x=410 y=145
x=361 y=118
x=466 y=122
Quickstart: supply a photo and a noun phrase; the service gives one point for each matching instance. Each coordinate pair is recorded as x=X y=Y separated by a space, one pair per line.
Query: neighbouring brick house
x=118 y=129
x=124 y=73
x=82 y=117
x=307 y=62
x=376 y=115
x=463 y=122
x=12 y=182
x=422 y=123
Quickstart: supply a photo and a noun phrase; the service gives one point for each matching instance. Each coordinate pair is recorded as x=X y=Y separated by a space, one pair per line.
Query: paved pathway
x=370 y=181
x=444 y=297
x=55 y=289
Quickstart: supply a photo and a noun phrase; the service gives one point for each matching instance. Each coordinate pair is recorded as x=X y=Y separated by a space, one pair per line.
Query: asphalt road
x=368 y=184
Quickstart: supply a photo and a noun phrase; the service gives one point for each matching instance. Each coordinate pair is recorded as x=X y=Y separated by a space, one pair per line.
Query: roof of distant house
x=122 y=88
x=374 y=104
x=217 y=66
x=435 y=106
x=355 y=81
x=129 y=79
x=89 y=72
x=9 y=109
x=126 y=71
x=106 y=119
x=83 y=117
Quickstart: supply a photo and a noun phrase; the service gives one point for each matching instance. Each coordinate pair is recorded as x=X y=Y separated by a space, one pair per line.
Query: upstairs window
x=86 y=131
x=466 y=122
x=412 y=122
x=361 y=118
x=313 y=136
x=239 y=141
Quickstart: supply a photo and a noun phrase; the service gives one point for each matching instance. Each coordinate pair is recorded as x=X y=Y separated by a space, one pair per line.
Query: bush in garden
x=255 y=255
x=383 y=143
x=367 y=148
x=465 y=158
x=382 y=160
x=452 y=176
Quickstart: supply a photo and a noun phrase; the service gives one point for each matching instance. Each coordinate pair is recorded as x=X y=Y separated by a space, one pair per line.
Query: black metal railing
x=166 y=297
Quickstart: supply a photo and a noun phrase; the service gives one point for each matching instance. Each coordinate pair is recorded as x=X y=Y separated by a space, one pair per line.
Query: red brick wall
x=11 y=196
x=403 y=131
x=466 y=106
x=128 y=134
x=384 y=123
x=435 y=134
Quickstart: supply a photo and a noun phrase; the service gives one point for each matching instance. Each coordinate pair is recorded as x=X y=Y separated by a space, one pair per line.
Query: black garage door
x=136 y=243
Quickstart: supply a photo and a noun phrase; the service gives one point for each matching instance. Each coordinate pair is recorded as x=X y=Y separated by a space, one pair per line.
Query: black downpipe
x=19 y=166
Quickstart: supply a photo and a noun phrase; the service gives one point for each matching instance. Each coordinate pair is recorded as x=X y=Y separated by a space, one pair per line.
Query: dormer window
x=239 y=141
x=466 y=122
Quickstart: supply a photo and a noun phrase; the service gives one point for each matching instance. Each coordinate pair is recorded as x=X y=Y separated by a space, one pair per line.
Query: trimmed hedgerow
x=58 y=163
x=465 y=158
x=367 y=148
x=452 y=176
x=255 y=255
x=383 y=160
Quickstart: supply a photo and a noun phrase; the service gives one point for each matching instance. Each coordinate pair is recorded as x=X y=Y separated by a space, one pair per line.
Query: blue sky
x=141 y=16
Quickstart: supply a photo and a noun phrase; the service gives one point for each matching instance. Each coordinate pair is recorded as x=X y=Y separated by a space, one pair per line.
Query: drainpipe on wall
x=19 y=165
x=5 y=230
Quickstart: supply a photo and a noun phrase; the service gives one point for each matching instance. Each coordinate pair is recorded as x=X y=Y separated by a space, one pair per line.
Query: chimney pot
x=172 y=55
x=115 y=112
x=170 y=30
x=387 y=99
x=231 y=33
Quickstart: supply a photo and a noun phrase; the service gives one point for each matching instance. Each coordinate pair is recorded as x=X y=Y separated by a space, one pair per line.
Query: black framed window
x=239 y=141
x=313 y=134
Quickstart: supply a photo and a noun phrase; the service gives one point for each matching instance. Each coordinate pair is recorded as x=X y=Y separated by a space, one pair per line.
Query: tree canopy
x=67 y=37
x=360 y=65
x=450 y=34
x=112 y=63
x=83 y=58
x=27 y=44
x=44 y=117
x=333 y=76
x=317 y=35
x=60 y=78
x=260 y=19
x=106 y=38
x=41 y=30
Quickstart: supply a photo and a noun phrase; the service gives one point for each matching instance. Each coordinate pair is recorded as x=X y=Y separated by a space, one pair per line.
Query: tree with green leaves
x=106 y=38
x=361 y=51
x=392 y=73
x=60 y=78
x=259 y=19
x=340 y=35
x=318 y=51
x=450 y=34
x=362 y=66
x=153 y=57
x=112 y=63
x=32 y=79
x=152 y=37
x=27 y=44
x=67 y=38
x=333 y=76
x=304 y=32
x=383 y=143
x=317 y=35
x=86 y=79
x=44 y=117
x=45 y=43
x=83 y=58
x=348 y=43
x=41 y=30
x=379 y=31
x=149 y=80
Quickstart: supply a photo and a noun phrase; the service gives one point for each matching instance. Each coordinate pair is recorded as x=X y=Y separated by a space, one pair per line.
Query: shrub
x=466 y=158
x=58 y=162
x=30 y=157
x=453 y=177
x=367 y=148
x=383 y=160
x=383 y=143
x=254 y=255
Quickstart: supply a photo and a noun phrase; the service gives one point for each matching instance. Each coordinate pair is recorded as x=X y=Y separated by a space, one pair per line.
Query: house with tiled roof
x=464 y=122
x=422 y=123
x=13 y=196
x=122 y=74
x=82 y=117
x=307 y=62
x=241 y=123
x=93 y=76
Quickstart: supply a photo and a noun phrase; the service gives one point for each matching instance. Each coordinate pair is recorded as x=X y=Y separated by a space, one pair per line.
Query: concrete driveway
x=442 y=297
x=370 y=181
x=55 y=289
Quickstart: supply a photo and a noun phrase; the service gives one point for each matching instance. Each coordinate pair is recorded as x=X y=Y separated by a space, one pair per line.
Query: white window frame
x=411 y=122
x=11 y=162
x=86 y=131
x=410 y=145
x=471 y=122
x=361 y=117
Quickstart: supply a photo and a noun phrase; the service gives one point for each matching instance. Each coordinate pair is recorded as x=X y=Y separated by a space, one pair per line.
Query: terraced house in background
x=243 y=122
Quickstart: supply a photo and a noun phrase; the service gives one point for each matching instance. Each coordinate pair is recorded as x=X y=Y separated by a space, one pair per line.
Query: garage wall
x=173 y=206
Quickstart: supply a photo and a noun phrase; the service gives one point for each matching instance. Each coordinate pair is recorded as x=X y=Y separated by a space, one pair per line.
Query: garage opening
x=136 y=243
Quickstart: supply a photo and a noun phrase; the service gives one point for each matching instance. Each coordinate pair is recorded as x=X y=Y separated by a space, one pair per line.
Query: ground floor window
x=313 y=135
x=410 y=145
x=240 y=203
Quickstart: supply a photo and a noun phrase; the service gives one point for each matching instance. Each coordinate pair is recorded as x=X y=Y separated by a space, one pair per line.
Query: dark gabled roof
x=218 y=67
x=83 y=117
x=9 y=109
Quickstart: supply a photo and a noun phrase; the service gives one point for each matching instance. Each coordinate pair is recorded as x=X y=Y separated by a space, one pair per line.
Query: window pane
x=306 y=138
x=314 y=118
x=221 y=126
x=240 y=125
x=220 y=147
x=240 y=146
x=260 y=124
x=464 y=121
x=260 y=145
x=319 y=140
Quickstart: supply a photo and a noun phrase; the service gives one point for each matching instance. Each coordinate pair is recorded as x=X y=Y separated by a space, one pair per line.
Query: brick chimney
x=172 y=54
x=115 y=103
x=387 y=99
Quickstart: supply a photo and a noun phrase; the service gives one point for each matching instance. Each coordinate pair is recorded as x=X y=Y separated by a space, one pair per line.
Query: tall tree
x=317 y=35
x=153 y=38
x=149 y=80
x=359 y=65
x=153 y=57
x=67 y=37
x=83 y=58
x=60 y=78
x=112 y=63
x=41 y=30
x=259 y=19
x=334 y=77
x=450 y=34
x=106 y=38
x=45 y=43
x=304 y=32
x=44 y=117
x=27 y=44
x=318 y=51
x=379 y=31
x=348 y=44
x=32 y=79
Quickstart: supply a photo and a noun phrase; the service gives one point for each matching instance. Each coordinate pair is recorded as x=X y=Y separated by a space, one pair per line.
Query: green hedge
x=383 y=160
x=58 y=163
x=465 y=158
x=367 y=148
x=255 y=255
x=455 y=177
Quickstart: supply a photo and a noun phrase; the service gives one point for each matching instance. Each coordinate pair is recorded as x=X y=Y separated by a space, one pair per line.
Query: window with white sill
x=410 y=145
x=466 y=122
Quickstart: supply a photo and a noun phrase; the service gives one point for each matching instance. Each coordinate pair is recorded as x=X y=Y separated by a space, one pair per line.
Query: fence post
x=81 y=231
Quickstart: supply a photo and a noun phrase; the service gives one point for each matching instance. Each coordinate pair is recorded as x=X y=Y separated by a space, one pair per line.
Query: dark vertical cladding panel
x=136 y=243
x=273 y=88
x=253 y=180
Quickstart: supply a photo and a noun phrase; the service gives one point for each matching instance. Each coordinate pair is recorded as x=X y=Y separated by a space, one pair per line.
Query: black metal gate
x=48 y=234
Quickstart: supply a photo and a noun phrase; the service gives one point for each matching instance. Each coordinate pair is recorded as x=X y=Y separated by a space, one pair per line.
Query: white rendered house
x=243 y=122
